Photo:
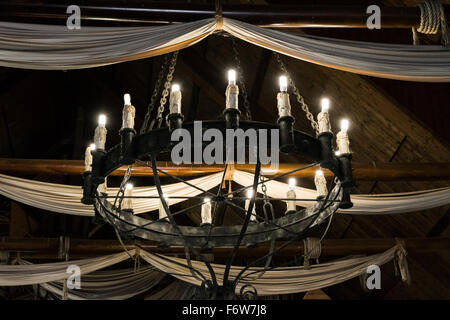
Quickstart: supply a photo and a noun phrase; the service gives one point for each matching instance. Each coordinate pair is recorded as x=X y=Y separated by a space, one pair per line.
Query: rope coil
x=313 y=250
x=432 y=17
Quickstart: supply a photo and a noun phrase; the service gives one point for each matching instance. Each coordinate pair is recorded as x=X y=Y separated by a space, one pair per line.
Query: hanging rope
x=401 y=263
x=313 y=250
x=432 y=17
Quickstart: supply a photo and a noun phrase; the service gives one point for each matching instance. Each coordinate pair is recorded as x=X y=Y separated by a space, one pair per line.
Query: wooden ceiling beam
x=40 y=247
x=361 y=171
x=273 y=16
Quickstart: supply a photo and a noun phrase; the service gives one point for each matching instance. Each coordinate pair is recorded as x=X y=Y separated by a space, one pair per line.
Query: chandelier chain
x=151 y=105
x=299 y=97
x=247 y=111
x=165 y=92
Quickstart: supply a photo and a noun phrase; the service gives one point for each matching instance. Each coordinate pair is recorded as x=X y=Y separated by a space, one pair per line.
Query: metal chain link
x=165 y=92
x=247 y=111
x=151 y=105
x=300 y=99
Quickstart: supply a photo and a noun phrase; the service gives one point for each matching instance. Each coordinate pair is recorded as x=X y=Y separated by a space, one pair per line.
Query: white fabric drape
x=117 y=284
x=21 y=275
x=393 y=61
x=49 y=47
x=363 y=203
x=283 y=280
x=67 y=199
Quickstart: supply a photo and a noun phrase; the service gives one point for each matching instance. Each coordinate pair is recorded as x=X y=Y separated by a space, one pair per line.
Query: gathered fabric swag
x=67 y=199
x=51 y=47
x=119 y=284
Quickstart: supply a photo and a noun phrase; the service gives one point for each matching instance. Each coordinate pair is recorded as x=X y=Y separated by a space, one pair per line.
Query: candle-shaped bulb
x=127 y=99
x=92 y=146
x=88 y=158
x=247 y=204
x=175 y=87
x=100 y=133
x=127 y=203
x=344 y=125
x=128 y=112
x=283 y=84
x=291 y=196
x=206 y=211
x=342 y=140
x=175 y=99
x=232 y=91
x=231 y=77
x=292 y=183
x=102 y=120
x=325 y=104
x=321 y=183
x=323 y=118
x=283 y=103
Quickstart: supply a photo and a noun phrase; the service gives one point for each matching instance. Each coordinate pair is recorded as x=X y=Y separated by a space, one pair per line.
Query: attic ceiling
x=52 y=115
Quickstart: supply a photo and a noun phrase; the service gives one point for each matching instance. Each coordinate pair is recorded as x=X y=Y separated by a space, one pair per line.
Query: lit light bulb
x=249 y=193
x=283 y=84
x=344 y=125
x=92 y=146
x=175 y=87
x=206 y=211
x=290 y=194
x=231 y=77
x=325 y=104
x=321 y=184
x=292 y=183
x=127 y=99
x=127 y=203
x=102 y=120
x=337 y=153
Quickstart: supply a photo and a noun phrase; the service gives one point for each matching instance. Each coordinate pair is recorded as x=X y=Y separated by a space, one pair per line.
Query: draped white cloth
x=393 y=61
x=363 y=203
x=116 y=284
x=283 y=280
x=20 y=275
x=67 y=199
x=49 y=47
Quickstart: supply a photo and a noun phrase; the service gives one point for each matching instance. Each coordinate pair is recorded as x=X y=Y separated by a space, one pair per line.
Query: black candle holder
x=232 y=118
x=126 y=145
x=175 y=121
x=286 y=133
x=328 y=159
x=87 y=188
x=98 y=156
